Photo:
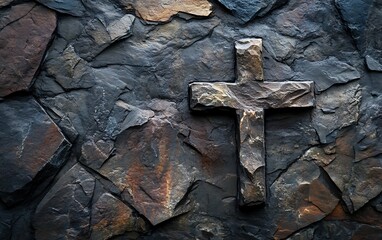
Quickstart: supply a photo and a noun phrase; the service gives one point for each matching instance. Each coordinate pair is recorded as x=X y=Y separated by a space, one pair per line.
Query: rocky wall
x=98 y=139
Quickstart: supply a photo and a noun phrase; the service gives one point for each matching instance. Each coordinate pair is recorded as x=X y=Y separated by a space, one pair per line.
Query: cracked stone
x=151 y=169
x=247 y=10
x=96 y=36
x=26 y=30
x=359 y=180
x=33 y=148
x=73 y=7
x=325 y=73
x=336 y=108
x=373 y=64
x=125 y=116
x=302 y=197
x=249 y=97
x=111 y=217
x=363 y=19
x=94 y=154
x=154 y=10
x=65 y=210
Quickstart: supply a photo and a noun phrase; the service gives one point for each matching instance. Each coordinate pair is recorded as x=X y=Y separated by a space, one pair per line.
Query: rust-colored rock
x=302 y=196
x=111 y=217
x=25 y=33
x=159 y=10
x=151 y=169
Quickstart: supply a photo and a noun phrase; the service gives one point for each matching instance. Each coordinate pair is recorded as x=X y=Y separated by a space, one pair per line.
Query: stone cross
x=250 y=96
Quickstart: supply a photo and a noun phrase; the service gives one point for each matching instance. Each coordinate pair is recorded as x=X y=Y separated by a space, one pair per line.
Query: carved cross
x=250 y=96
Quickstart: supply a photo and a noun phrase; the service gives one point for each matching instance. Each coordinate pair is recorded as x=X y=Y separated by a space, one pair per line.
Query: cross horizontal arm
x=251 y=95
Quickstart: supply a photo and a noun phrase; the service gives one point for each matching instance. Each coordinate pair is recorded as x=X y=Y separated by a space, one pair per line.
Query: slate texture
x=111 y=79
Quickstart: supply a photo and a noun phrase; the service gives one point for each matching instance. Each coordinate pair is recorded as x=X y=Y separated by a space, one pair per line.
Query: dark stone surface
x=32 y=147
x=111 y=217
x=114 y=79
x=246 y=10
x=153 y=176
x=65 y=210
x=26 y=30
x=75 y=7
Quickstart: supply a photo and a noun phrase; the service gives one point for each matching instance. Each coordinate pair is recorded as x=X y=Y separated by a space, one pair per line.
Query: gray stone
x=65 y=210
x=33 y=148
x=336 y=108
x=373 y=64
x=111 y=217
x=247 y=10
x=4 y=3
x=363 y=18
x=96 y=36
x=125 y=116
x=325 y=73
x=95 y=153
x=74 y=7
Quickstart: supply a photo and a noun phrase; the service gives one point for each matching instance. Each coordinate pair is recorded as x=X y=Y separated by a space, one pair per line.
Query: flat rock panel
x=26 y=30
x=32 y=145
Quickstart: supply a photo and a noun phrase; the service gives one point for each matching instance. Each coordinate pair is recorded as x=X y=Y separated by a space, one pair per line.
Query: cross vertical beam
x=250 y=96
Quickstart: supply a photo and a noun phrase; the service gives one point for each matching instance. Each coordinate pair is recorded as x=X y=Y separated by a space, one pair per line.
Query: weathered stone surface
x=126 y=116
x=26 y=30
x=325 y=73
x=335 y=109
x=357 y=180
x=32 y=147
x=153 y=176
x=294 y=133
x=369 y=129
x=99 y=35
x=129 y=86
x=246 y=10
x=249 y=97
x=153 y=10
x=355 y=14
x=74 y=7
x=363 y=19
x=373 y=64
x=4 y=3
x=252 y=157
x=249 y=63
x=95 y=153
x=65 y=210
x=339 y=230
x=303 y=197
x=111 y=217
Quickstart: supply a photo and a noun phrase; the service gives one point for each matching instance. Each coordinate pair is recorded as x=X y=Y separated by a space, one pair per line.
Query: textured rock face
x=249 y=97
x=32 y=147
x=152 y=10
x=249 y=9
x=26 y=30
x=304 y=196
x=291 y=100
x=64 y=211
x=152 y=175
x=111 y=217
